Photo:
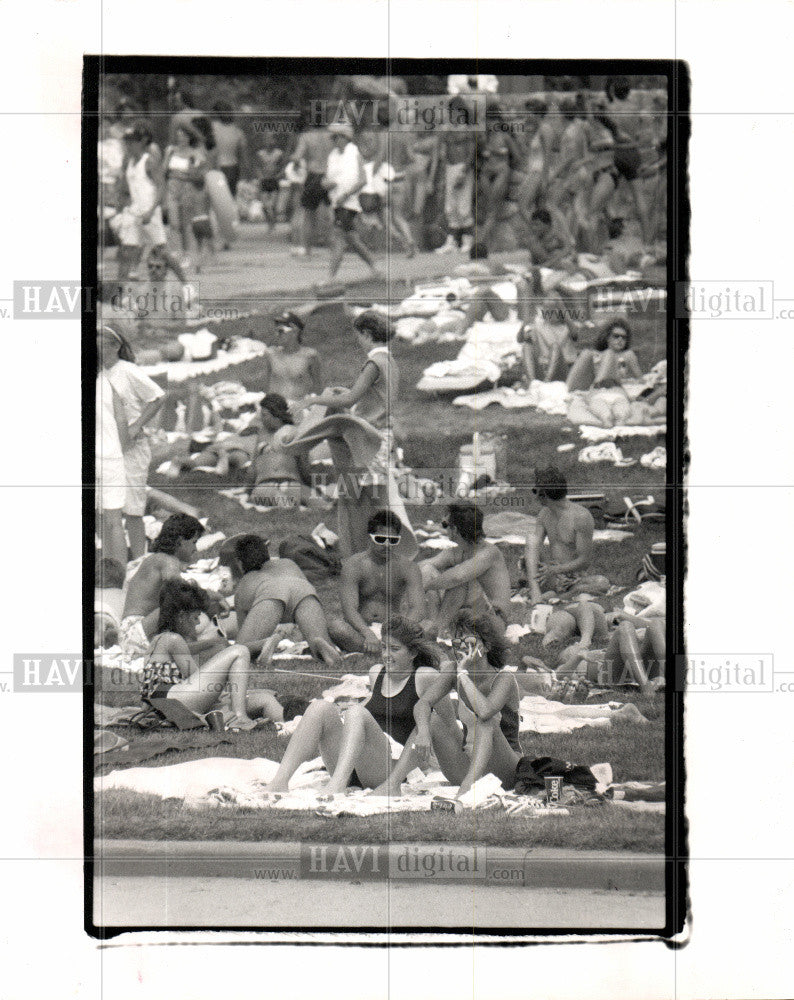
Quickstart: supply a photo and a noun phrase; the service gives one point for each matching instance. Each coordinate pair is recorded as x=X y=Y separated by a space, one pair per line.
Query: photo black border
x=678 y=216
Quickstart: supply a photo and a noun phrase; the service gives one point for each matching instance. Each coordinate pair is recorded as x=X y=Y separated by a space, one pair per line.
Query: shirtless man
x=312 y=153
x=288 y=368
x=172 y=551
x=271 y=592
x=569 y=530
x=472 y=574
x=375 y=584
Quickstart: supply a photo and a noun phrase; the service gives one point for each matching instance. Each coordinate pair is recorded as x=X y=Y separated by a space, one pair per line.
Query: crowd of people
x=437 y=625
x=568 y=174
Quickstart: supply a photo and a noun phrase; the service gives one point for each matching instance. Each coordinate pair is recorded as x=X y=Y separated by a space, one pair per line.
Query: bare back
x=143 y=593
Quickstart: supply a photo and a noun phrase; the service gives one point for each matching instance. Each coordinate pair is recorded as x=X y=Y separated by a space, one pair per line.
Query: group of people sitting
x=437 y=625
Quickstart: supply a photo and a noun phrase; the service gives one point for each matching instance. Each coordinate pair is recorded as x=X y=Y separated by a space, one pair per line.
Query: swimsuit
x=158 y=677
x=133 y=639
x=394 y=715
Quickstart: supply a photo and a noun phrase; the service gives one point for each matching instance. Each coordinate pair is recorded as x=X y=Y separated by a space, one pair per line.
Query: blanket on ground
x=242 y=349
x=489 y=350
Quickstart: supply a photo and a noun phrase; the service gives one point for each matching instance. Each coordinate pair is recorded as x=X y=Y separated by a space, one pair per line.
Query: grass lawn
x=430 y=432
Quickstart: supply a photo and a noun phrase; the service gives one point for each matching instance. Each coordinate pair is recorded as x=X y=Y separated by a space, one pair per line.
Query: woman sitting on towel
x=611 y=364
x=170 y=670
x=356 y=741
x=488 y=706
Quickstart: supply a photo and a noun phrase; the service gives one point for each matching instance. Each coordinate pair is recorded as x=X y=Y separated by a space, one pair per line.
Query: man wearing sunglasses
x=374 y=584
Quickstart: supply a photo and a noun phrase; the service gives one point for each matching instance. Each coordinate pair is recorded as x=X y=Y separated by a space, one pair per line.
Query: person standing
x=111 y=485
x=141 y=398
x=345 y=177
x=311 y=152
x=231 y=146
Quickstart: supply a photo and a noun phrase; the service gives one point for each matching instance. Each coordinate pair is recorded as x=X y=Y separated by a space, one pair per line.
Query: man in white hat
x=344 y=178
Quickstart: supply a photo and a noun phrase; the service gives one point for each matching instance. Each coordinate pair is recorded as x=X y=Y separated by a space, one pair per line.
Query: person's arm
x=464 y=572
x=584 y=546
x=349 y=598
x=632 y=364
x=433 y=688
x=486 y=706
x=179 y=651
x=156 y=175
x=314 y=368
x=346 y=398
x=532 y=550
x=121 y=421
x=148 y=413
x=606 y=371
x=443 y=560
x=414 y=594
x=266 y=372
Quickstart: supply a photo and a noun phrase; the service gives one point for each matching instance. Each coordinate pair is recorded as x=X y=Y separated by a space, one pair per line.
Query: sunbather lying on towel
x=472 y=574
x=355 y=741
x=631 y=656
x=170 y=671
x=170 y=553
x=583 y=617
x=563 y=568
x=375 y=582
x=271 y=592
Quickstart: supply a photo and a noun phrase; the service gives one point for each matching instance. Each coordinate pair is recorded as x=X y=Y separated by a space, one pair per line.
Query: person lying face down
x=472 y=574
x=564 y=565
x=269 y=592
x=354 y=741
x=374 y=584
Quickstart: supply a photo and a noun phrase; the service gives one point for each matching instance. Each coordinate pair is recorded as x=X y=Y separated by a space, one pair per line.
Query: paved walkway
x=227 y=902
x=259 y=269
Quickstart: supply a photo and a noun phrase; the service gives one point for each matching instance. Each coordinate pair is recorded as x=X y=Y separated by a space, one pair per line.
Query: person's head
x=178 y=537
x=183 y=97
x=404 y=646
x=464 y=523
x=616 y=335
x=275 y=412
x=569 y=109
x=185 y=136
x=478 y=251
x=111 y=347
x=618 y=87
x=540 y=221
x=137 y=138
x=223 y=112
x=536 y=108
x=384 y=529
x=293 y=706
x=372 y=327
x=341 y=133
x=244 y=554
x=203 y=127
x=289 y=329
x=472 y=631
x=109 y=574
x=550 y=485
x=181 y=604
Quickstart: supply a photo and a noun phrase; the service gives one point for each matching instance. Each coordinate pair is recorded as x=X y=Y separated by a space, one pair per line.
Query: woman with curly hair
x=356 y=741
x=486 y=741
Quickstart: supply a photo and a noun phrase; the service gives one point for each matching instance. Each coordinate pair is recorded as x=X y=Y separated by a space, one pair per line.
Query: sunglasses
x=385 y=539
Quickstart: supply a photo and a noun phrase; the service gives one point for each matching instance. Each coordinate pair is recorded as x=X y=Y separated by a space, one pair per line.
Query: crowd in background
x=591 y=163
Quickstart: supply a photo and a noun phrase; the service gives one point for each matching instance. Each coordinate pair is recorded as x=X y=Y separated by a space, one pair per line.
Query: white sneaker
x=449 y=247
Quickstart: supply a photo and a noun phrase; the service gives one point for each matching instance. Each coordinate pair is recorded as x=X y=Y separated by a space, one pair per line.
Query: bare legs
x=310 y=619
x=111 y=531
x=340 y=241
x=203 y=688
x=136 y=533
x=357 y=742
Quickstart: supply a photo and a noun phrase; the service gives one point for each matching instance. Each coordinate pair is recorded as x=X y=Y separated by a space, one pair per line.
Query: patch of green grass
x=131 y=815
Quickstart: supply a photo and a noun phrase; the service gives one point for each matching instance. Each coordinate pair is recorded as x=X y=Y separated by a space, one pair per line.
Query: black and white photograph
x=384 y=554
x=397 y=514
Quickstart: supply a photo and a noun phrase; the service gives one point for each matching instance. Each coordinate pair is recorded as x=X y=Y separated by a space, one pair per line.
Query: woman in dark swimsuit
x=354 y=741
x=488 y=707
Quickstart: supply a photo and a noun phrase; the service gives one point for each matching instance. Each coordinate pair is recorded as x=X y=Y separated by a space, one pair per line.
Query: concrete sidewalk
x=536 y=868
x=259 y=271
